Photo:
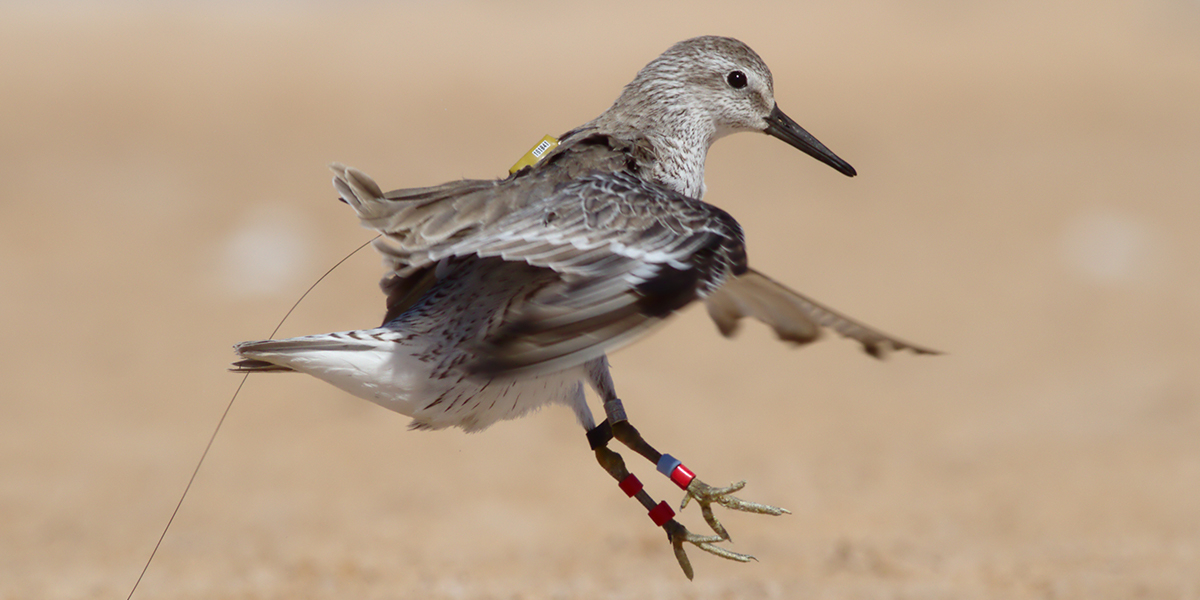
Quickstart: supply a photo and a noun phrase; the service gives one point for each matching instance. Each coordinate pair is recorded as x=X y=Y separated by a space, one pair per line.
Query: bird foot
x=706 y=495
x=678 y=534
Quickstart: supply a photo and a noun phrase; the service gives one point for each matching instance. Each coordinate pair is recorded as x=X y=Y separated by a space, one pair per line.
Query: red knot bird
x=504 y=296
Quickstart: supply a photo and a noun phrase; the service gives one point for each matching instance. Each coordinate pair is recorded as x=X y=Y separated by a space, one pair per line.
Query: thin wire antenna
x=216 y=430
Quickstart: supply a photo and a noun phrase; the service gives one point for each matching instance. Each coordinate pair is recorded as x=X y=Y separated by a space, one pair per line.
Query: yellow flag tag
x=535 y=154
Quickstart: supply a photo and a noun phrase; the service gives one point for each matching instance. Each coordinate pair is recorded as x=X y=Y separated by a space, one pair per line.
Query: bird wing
x=794 y=317
x=627 y=253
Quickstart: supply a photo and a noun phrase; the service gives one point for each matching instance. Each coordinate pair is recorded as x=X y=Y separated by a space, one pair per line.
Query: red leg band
x=682 y=476
x=630 y=485
x=661 y=514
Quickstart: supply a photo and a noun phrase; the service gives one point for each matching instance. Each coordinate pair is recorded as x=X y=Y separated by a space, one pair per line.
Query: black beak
x=783 y=127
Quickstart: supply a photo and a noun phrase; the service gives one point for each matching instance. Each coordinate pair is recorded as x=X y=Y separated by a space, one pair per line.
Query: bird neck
x=679 y=162
x=680 y=145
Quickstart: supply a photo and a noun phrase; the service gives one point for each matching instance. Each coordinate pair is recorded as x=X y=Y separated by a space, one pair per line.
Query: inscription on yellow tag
x=535 y=154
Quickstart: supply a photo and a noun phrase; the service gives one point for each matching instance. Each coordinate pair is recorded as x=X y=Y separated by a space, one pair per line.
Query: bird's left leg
x=617 y=425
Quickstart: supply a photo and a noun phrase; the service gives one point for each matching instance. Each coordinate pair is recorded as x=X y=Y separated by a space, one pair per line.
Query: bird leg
x=704 y=494
x=660 y=512
x=616 y=425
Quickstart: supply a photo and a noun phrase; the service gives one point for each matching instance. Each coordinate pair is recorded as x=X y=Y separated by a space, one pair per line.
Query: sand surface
x=1029 y=201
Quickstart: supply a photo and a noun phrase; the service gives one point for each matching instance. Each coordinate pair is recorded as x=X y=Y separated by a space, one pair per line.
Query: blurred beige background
x=1029 y=200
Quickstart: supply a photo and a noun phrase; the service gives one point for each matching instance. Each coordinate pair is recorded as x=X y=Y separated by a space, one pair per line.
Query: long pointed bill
x=783 y=127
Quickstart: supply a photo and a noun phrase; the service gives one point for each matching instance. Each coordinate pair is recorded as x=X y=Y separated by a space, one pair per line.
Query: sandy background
x=1029 y=200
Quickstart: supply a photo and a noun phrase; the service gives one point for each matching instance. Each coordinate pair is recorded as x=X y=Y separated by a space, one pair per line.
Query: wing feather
x=793 y=316
x=624 y=254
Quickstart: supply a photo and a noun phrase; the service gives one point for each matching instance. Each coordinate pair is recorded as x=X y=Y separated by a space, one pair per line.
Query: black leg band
x=600 y=435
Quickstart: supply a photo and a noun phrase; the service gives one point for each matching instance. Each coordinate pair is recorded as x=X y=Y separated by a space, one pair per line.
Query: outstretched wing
x=793 y=316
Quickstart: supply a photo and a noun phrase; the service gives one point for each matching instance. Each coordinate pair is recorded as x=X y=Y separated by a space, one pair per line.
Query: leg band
x=661 y=514
x=615 y=410
x=630 y=485
x=671 y=467
x=667 y=463
x=682 y=476
x=600 y=435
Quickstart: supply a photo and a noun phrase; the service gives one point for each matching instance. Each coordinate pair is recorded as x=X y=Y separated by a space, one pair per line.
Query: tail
x=251 y=365
x=359 y=191
x=282 y=356
x=437 y=212
x=794 y=317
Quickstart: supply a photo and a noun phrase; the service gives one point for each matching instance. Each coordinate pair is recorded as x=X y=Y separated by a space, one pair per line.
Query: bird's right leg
x=617 y=425
x=659 y=512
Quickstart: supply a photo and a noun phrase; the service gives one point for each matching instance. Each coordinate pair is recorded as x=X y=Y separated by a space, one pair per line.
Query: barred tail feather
x=375 y=364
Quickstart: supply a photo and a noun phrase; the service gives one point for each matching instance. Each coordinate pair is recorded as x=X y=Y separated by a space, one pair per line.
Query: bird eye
x=737 y=79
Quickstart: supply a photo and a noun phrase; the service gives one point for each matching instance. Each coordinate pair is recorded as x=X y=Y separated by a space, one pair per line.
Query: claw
x=678 y=534
x=711 y=519
x=698 y=489
x=706 y=495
